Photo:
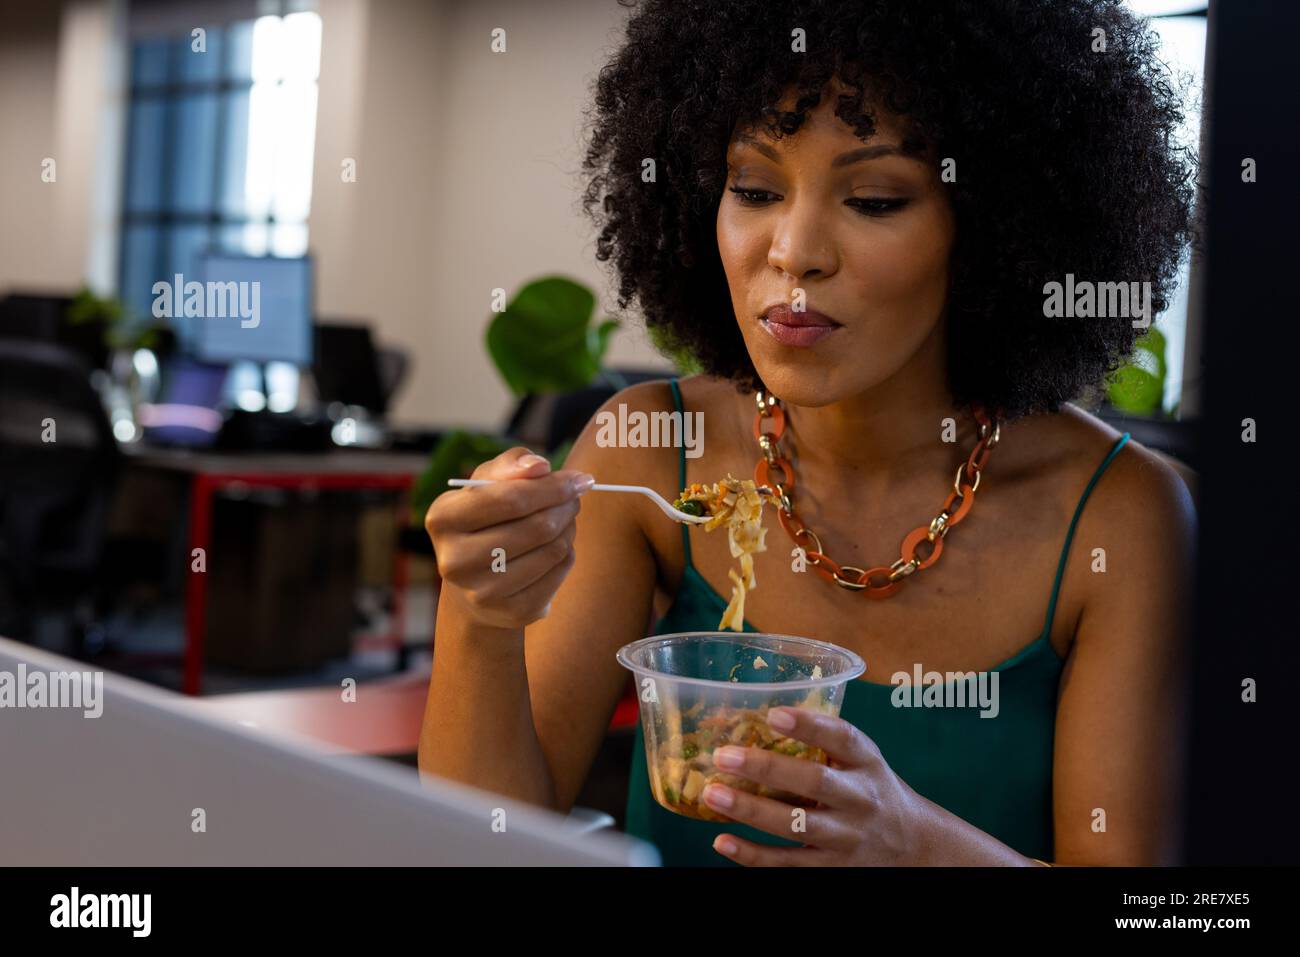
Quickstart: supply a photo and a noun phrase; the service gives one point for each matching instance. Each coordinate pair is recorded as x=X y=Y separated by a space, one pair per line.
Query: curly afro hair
x=1066 y=163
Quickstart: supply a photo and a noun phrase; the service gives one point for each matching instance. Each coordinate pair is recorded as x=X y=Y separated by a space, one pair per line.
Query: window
x=220 y=144
x=1181 y=27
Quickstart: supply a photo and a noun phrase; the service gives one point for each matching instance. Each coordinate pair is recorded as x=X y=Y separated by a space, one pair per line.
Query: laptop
x=102 y=770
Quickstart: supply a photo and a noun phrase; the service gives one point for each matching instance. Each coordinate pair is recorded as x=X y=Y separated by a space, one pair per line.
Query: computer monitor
x=187 y=411
x=346 y=367
x=264 y=317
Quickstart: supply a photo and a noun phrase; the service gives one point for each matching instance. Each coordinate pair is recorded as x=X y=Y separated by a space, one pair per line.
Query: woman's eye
x=752 y=197
x=875 y=206
x=869 y=206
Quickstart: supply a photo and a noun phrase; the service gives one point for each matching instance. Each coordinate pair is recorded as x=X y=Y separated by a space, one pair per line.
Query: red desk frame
x=203 y=485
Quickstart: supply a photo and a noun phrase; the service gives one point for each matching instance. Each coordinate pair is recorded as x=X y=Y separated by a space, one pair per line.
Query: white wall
x=466 y=178
x=60 y=98
x=28 y=207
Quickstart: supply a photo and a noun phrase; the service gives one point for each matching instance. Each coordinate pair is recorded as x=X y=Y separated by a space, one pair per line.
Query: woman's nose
x=800 y=245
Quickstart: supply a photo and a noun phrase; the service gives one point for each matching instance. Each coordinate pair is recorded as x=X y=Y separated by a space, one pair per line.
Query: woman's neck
x=866 y=435
x=893 y=428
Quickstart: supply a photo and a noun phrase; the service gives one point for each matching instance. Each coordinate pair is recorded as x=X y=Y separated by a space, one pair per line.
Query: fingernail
x=719 y=796
x=725 y=845
x=781 y=720
x=528 y=461
x=582 y=483
x=729 y=757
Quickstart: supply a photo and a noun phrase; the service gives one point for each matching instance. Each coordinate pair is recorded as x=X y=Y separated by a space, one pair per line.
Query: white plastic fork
x=664 y=505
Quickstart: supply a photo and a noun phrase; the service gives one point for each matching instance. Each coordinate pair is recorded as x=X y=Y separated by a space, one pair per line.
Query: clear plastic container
x=701 y=690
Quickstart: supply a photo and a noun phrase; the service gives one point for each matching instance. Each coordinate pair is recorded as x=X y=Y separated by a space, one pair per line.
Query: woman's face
x=858 y=234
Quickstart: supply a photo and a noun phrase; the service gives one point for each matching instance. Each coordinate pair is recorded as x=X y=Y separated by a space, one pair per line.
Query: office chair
x=548 y=421
x=54 y=495
x=44 y=316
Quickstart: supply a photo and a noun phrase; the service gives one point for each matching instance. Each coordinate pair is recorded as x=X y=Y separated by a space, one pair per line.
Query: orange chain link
x=954 y=511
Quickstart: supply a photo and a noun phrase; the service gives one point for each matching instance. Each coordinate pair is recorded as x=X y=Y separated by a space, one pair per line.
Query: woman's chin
x=807 y=384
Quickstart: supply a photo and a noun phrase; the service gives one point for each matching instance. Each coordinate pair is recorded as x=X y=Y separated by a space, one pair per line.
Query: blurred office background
x=464 y=159
x=387 y=170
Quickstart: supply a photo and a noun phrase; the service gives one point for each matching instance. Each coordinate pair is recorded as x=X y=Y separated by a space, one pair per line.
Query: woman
x=857 y=209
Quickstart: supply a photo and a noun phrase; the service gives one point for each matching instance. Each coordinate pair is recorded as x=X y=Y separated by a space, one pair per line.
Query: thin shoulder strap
x=681 y=467
x=1069 y=535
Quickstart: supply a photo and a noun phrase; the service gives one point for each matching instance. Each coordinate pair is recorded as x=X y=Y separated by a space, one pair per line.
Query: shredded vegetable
x=683 y=765
x=736 y=504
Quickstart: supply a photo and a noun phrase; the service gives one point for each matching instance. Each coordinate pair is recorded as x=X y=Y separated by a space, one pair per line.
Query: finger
x=535 y=601
x=802 y=776
x=471 y=509
x=522 y=572
x=843 y=742
x=769 y=815
x=517 y=462
x=761 y=855
x=476 y=552
x=521 y=609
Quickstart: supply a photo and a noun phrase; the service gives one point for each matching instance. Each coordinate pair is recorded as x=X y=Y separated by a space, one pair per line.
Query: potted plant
x=546 y=340
x=1138 y=388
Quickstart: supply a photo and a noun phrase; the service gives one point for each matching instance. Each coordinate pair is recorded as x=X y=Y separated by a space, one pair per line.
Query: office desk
x=384 y=719
x=209 y=472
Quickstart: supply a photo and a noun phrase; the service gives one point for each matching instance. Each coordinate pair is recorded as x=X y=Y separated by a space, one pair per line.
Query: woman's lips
x=799 y=329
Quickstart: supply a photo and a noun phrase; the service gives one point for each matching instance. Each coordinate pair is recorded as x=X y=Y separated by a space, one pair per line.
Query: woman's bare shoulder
x=1076 y=441
x=630 y=441
x=635 y=438
x=632 y=430
x=1142 y=498
x=704 y=391
x=1138 y=478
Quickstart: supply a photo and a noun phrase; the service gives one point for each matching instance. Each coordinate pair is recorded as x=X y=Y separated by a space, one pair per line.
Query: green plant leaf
x=561 y=453
x=681 y=356
x=1139 y=387
x=456 y=455
x=1135 y=391
x=86 y=307
x=601 y=343
x=543 y=341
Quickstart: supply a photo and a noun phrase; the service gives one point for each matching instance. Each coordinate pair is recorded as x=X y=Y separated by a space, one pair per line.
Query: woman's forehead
x=822 y=123
x=822 y=120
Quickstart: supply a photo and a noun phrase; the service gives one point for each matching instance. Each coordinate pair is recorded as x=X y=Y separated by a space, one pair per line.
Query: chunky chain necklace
x=881 y=581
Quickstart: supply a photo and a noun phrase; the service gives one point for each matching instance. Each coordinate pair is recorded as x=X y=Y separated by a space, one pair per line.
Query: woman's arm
x=522 y=711
x=1122 y=715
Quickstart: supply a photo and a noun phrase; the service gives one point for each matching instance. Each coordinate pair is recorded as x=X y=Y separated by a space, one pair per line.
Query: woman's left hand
x=866 y=815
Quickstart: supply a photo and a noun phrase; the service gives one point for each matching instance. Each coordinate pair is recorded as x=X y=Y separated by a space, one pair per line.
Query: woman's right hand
x=530 y=516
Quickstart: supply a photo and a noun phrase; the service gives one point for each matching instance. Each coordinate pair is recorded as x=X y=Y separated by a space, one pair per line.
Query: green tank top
x=995 y=773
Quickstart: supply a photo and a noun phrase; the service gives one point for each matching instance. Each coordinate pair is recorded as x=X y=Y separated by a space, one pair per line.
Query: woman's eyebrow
x=871 y=152
x=844 y=159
